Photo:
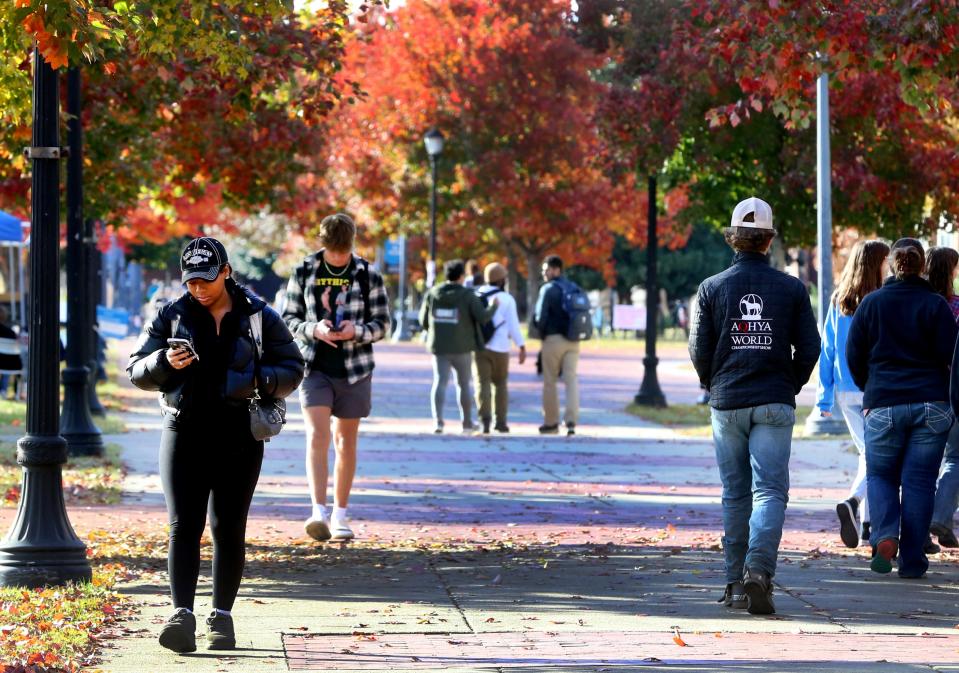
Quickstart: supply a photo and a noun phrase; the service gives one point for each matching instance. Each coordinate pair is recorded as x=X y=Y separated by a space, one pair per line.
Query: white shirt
x=506 y=320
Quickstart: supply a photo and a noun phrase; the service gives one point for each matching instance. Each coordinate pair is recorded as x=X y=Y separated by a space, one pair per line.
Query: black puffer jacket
x=281 y=368
x=754 y=338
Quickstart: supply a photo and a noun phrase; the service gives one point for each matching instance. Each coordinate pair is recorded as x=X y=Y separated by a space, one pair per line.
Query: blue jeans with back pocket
x=904 y=445
x=752 y=451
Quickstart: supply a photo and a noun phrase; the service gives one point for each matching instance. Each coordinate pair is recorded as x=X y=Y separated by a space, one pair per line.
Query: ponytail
x=907 y=258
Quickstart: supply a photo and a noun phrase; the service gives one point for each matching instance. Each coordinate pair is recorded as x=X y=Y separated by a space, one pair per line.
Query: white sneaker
x=340 y=527
x=318 y=528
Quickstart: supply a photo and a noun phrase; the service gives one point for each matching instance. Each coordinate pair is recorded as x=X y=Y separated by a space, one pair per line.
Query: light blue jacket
x=834 y=375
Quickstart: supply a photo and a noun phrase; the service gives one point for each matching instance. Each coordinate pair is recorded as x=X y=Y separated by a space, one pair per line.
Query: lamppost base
x=82 y=436
x=41 y=548
x=95 y=407
x=650 y=394
x=402 y=331
x=817 y=424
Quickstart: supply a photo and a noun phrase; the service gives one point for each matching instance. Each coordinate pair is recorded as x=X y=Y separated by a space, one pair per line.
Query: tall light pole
x=83 y=437
x=817 y=424
x=41 y=547
x=650 y=394
x=402 y=330
x=434 y=148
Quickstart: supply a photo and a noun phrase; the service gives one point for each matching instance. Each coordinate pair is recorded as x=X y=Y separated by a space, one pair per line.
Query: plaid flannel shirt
x=301 y=315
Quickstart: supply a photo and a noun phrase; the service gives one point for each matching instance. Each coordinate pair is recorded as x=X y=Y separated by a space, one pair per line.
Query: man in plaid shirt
x=336 y=308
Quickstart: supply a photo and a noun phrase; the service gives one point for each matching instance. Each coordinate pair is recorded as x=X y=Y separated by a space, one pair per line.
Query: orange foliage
x=512 y=92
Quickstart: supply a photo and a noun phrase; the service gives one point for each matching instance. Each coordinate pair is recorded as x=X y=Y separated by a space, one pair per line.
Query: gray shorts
x=345 y=399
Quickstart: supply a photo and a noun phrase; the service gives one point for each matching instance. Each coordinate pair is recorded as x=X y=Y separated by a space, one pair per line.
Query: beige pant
x=492 y=371
x=560 y=355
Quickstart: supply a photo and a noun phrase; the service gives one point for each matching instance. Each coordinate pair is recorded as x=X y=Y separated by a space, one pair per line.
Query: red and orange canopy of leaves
x=894 y=68
x=524 y=165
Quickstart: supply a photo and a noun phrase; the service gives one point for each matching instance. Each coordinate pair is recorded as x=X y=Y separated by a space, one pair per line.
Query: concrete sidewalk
x=525 y=553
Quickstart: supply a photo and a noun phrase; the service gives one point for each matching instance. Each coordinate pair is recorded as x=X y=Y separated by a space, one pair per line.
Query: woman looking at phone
x=199 y=353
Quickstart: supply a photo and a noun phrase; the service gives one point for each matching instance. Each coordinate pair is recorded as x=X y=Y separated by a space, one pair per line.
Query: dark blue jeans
x=752 y=452
x=947 y=491
x=904 y=445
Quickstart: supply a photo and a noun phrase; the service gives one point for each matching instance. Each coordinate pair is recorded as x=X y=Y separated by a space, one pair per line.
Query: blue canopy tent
x=11 y=238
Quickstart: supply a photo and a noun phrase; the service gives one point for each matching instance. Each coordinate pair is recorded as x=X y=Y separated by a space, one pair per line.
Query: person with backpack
x=492 y=362
x=337 y=308
x=453 y=316
x=562 y=319
x=754 y=343
x=210 y=353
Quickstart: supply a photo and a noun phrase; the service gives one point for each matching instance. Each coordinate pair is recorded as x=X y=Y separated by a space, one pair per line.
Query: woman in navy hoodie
x=899 y=350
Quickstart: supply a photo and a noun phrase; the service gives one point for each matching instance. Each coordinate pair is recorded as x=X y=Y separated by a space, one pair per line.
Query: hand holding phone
x=181 y=347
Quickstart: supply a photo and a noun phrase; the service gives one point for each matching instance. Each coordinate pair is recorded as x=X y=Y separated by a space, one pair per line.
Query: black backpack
x=578 y=309
x=488 y=328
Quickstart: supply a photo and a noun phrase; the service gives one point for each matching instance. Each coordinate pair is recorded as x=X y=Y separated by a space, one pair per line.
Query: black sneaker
x=570 y=429
x=549 y=429
x=179 y=632
x=947 y=538
x=486 y=424
x=503 y=429
x=219 y=633
x=930 y=547
x=865 y=531
x=848 y=513
x=734 y=596
x=758 y=587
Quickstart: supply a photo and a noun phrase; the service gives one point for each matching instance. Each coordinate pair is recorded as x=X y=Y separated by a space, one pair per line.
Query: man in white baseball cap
x=754 y=343
x=753 y=213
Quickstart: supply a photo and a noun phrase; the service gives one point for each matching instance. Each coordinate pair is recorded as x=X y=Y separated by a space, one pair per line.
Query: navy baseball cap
x=202 y=258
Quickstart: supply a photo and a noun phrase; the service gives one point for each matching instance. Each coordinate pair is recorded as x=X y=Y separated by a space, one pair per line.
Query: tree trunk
x=533 y=263
x=513 y=279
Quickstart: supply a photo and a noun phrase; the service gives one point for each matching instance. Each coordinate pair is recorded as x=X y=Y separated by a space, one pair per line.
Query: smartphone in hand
x=178 y=344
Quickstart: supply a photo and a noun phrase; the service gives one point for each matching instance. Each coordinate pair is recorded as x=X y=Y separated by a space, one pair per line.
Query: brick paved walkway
x=578 y=554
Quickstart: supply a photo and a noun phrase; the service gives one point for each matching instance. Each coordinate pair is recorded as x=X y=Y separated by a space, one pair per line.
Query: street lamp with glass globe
x=434 y=147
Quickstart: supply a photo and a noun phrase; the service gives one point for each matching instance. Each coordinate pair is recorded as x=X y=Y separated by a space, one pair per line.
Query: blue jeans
x=904 y=445
x=752 y=451
x=947 y=491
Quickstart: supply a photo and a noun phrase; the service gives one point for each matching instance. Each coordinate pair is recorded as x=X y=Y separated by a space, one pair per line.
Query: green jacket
x=452 y=316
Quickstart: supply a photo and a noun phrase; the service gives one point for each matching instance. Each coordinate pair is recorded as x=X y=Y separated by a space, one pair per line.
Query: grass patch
x=88 y=480
x=693 y=420
x=13 y=415
x=59 y=628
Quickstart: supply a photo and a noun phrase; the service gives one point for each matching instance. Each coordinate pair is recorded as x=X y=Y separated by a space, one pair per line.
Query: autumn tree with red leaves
x=523 y=171
x=894 y=69
x=191 y=109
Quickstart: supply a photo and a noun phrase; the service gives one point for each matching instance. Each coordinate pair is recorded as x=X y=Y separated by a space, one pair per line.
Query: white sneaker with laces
x=318 y=527
x=340 y=528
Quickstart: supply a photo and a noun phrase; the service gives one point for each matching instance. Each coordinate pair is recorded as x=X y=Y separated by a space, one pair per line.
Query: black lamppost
x=434 y=147
x=92 y=295
x=650 y=394
x=41 y=547
x=83 y=437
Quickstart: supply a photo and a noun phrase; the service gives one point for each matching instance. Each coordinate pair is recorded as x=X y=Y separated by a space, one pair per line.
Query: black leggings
x=215 y=466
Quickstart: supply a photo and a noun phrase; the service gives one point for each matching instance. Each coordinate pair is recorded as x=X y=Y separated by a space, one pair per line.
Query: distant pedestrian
x=754 y=343
x=943 y=263
x=899 y=349
x=474 y=274
x=862 y=274
x=10 y=359
x=560 y=354
x=337 y=308
x=453 y=316
x=209 y=459
x=492 y=362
